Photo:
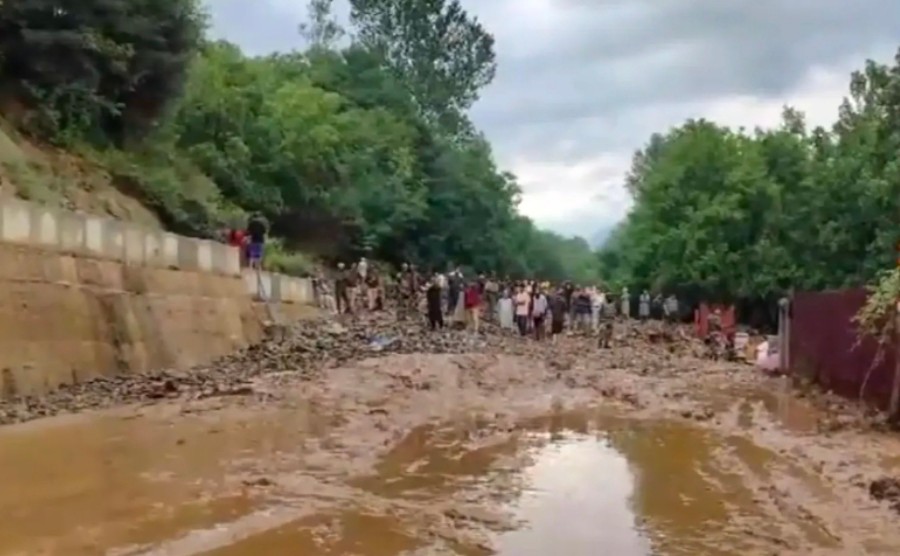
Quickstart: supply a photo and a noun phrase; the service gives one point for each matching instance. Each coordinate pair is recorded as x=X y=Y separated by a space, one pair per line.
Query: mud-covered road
x=321 y=444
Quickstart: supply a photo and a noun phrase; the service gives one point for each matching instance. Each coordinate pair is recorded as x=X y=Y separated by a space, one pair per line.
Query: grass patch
x=186 y=200
x=292 y=263
x=33 y=182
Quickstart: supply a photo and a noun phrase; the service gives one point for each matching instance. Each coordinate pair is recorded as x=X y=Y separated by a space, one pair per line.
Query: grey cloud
x=681 y=50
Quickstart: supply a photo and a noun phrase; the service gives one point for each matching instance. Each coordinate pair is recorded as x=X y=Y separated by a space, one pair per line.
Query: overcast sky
x=582 y=83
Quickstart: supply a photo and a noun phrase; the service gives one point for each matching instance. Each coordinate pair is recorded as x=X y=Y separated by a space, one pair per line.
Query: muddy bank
x=330 y=444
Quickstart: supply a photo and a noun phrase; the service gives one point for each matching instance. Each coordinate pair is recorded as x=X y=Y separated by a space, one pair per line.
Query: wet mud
x=327 y=443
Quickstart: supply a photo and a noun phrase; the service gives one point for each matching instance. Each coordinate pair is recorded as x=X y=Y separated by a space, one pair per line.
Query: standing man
x=539 y=308
x=656 y=307
x=342 y=298
x=558 y=311
x=670 y=308
x=583 y=307
x=353 y=283
x=472 y=303
x=644 y=305
x=568 y=294
x=522 y=302
x=454 y=286
x=257 y=228
x=626 y=303
x=492 y=296
x=363 y=268
x=373 y=285
x=433 y=303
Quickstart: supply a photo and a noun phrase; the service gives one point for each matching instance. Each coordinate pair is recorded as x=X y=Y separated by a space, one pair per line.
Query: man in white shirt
x=538 y=312
x=598 y=302
x=363 y=269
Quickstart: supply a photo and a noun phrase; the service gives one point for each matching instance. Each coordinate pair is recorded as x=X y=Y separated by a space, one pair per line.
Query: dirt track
x=317 y=445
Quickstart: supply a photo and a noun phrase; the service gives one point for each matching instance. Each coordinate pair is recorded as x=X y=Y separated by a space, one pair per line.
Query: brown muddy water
x=344 y=470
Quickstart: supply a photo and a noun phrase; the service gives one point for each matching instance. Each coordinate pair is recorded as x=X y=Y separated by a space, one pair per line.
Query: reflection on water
x=577 y=499
x=574 y=483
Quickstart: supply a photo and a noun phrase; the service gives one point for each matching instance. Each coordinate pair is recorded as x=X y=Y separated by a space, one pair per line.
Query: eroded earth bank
x=322 y=441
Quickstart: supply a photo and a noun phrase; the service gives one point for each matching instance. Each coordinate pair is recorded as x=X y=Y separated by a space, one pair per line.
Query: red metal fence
x=701 y=318
x=824 y=345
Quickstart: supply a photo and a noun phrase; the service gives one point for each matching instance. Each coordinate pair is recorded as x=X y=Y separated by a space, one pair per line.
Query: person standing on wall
x=238 y=238
x=257 y=228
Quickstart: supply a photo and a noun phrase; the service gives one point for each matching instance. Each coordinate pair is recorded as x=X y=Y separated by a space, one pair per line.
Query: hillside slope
x=47 y=175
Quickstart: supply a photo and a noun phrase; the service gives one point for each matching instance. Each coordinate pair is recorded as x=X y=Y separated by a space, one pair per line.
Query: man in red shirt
x=472 y=304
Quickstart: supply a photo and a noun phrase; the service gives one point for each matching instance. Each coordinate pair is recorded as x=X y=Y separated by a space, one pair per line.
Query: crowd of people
x=529 y=307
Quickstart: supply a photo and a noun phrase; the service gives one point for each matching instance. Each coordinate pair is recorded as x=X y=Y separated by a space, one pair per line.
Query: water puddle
x=568 y=482
x=564 y=483
x=577 y=497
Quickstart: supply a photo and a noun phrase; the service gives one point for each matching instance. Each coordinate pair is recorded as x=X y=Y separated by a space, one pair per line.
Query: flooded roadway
x=468 y=455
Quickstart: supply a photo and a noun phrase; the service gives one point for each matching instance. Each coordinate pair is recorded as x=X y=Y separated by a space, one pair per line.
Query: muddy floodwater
x=452 y=454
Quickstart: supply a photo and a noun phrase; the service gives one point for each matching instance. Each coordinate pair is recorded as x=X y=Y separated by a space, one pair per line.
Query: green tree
x=110 y=67
x=442 y=54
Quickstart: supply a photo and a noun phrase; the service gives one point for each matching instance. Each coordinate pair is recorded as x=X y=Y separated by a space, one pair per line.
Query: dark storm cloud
x=609 y=58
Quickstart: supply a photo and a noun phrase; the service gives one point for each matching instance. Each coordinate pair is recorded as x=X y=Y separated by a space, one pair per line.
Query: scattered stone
x=886 y=489
x=260 y=482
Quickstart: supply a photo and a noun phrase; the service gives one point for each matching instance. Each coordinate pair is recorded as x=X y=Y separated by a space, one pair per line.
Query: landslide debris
x=305 y=348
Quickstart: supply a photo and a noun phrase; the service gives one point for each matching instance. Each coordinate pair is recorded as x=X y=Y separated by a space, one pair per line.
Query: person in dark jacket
x=558 y=310
x=433 y=304
x=583 y=306
x=342 y=289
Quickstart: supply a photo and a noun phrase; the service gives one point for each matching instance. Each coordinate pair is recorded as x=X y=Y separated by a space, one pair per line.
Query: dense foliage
x=345 y=147
x=105 y=68
x=721 y=213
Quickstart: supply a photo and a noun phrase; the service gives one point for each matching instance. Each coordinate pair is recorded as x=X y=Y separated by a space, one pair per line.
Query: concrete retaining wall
x=80 y=234
x=77 y=234
x=270 y=286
